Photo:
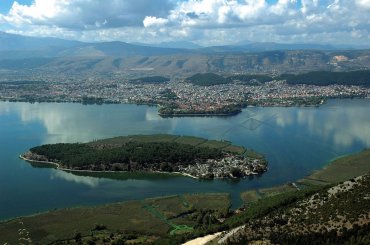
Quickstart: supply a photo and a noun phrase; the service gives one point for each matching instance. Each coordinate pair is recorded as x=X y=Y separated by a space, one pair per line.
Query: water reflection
x=339 y=123
x=342 y=126
x=85 y=180
x=296 y=141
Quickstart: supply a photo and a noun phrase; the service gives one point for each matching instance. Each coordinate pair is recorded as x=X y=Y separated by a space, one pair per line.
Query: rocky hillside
x=335 y=215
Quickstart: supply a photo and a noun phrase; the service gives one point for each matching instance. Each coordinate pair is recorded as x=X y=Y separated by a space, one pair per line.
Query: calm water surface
x=296 y=141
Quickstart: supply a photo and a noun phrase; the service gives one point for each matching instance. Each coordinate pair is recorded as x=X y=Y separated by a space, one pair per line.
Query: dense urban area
x=178 y=97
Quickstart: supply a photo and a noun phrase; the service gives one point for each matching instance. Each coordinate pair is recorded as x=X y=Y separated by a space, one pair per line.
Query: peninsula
x=186 y=155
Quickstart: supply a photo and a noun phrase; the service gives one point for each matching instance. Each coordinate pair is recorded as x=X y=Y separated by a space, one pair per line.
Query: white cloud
x=150 y=21
x=363 y=3
x=326 y=21
x=86 y=14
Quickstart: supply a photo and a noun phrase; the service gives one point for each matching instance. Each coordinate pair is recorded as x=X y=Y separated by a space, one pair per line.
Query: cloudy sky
x=206 y=22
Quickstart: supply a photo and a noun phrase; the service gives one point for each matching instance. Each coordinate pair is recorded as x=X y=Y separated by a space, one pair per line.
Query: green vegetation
x=187 y=140
x=335 y=215
x=283 y=215
x=133 y=156
x=190 y=140
x=152 y=79
x=262 y=205
x=168 y=95
x=252 y=79
x=208 y=79
x=324 y=78
x=135 y=221
x=151 y=153
x=173 y=110
x=341 y=169
x=216 y=144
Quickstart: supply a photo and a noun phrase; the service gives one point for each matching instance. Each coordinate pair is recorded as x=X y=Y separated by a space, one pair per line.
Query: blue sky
x=5 y=5
x=206 y=22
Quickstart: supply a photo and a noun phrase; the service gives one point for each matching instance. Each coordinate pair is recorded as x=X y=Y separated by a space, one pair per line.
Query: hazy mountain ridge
x=274 y=62
x=62 y=56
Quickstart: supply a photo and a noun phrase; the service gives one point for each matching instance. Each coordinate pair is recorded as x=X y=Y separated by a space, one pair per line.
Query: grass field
x=234 y=148
x=342 y=169
x=169 y=207
x=189 y=140
x=250 y=196
x=65 y=223
x=209 y=201
x=255 y=195
x=277 y=190
x=149 y=219
x=216 y=144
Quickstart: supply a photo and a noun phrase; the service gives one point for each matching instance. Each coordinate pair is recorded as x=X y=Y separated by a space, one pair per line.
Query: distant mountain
x=173 y=44
x=17 y=46
x=54 y=56
x=265 y=46
x=10 y=42
x=118 y=49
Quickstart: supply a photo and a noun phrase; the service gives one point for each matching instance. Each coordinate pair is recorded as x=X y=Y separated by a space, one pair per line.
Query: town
x=177 y=97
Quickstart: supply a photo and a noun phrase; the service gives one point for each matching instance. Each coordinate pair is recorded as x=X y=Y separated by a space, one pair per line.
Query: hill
x=152 y=79
x=328 y=207
x=207 y=79
x=324 y=78
x=59 y=57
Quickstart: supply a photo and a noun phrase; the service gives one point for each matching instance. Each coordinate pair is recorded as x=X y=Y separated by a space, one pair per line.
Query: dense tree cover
x=152 y=79
x=252 y=79
x=131 y=156
x=208 y=79
x=323 y=78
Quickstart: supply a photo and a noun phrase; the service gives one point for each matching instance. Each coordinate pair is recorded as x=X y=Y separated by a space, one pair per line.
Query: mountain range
x=55 y=55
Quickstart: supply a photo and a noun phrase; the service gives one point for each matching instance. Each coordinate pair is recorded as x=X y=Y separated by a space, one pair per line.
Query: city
x=178 y=97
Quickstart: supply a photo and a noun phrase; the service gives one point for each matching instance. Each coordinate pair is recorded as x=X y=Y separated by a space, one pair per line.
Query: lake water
x=296 y=141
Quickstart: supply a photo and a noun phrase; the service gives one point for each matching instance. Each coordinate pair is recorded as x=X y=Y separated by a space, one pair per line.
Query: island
x=190 y=156
x=330 y=206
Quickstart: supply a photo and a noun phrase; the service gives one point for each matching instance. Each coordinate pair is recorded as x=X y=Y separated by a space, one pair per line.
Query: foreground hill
x=337 y=213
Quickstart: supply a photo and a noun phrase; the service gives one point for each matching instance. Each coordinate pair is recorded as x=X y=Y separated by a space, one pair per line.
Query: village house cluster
x=230 y=166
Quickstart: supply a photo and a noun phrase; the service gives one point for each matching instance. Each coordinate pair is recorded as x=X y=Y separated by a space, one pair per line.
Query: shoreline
x=103 y=171
x=57 y=165
x=200 y=114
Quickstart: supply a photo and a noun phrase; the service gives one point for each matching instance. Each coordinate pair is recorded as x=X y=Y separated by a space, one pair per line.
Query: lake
x=295 y=141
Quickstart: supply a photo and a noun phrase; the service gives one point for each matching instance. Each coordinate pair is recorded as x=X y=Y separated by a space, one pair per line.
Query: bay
x=296 y=141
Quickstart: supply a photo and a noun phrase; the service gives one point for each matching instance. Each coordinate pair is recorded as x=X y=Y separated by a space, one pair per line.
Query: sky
x=205 y=22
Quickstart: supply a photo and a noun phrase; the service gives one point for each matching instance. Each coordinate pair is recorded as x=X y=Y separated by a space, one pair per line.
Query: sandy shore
x=202 y=240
